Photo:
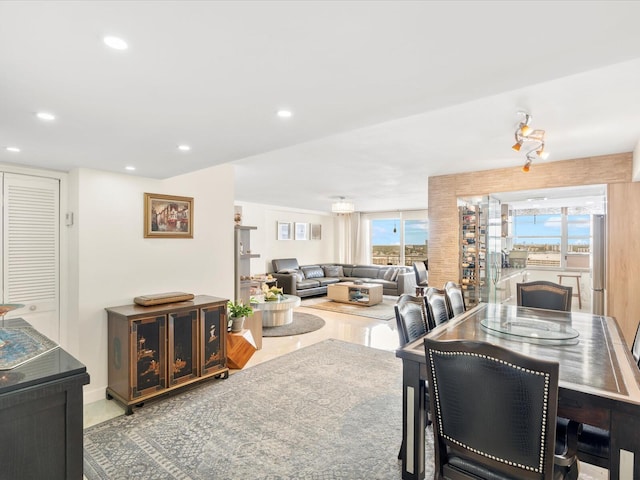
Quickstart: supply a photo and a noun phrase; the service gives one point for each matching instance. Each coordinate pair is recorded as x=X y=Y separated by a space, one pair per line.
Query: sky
x=545 y=226
x=549 y=229
x=382 y=232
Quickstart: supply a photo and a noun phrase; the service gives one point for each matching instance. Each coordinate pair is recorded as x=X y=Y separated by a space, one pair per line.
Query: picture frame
x=316 y=231
x=301 y=231
x=167 y=216
x=284 y=231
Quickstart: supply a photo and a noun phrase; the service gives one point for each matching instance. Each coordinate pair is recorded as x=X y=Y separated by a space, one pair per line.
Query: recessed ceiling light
x=12 y=149
x=284 y=113
x=184 y=148
x=45 y=116
x=130 y=168
x=115 y=43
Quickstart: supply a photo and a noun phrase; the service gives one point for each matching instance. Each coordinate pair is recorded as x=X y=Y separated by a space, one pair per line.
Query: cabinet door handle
x=32 y=307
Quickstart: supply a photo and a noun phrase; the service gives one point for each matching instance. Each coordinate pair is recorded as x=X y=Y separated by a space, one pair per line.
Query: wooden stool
x=240 y=348
x=577 y=277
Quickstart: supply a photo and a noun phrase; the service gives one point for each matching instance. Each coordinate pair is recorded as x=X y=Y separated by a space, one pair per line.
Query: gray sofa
x=309 y=280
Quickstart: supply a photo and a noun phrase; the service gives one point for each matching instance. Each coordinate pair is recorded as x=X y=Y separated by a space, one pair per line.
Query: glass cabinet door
x=214 y=320
x=183 y=346
x=148 y=358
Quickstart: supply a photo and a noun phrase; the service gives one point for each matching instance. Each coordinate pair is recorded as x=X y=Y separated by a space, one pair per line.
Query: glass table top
x=531 y=330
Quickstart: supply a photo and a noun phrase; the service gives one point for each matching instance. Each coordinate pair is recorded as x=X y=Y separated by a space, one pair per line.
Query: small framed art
x=167 y=216
x=302 y=231
x=284 y=231
x=316 y=231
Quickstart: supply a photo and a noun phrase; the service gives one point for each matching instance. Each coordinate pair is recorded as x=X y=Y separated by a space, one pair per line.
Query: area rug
x=332 y=410
x=381 y=311
x=302 y=323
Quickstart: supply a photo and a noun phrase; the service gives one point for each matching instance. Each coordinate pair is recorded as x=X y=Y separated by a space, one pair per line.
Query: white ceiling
x=384 y=93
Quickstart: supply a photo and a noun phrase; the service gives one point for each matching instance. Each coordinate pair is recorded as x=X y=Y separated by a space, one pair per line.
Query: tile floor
x=365 y=331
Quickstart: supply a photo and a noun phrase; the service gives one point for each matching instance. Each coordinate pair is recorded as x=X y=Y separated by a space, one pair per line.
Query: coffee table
x=277 y=313
x=366 y=294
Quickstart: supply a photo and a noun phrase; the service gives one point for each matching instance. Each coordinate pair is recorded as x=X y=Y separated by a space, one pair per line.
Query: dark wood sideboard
x=158 y=349
x=41 y=416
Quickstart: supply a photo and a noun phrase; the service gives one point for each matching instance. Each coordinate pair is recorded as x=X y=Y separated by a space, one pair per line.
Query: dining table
x=599 y=380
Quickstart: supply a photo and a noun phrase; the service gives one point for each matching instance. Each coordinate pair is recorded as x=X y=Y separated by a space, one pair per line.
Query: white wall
x=264 y=239
x=111 y=263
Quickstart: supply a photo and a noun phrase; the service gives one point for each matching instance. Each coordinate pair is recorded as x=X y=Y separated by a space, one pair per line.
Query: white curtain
x=353 y=243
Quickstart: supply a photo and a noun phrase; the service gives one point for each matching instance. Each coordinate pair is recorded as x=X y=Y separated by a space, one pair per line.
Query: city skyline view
x=415 y=232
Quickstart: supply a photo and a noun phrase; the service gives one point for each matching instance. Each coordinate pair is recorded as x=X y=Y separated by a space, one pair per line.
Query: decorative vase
x=237 y=323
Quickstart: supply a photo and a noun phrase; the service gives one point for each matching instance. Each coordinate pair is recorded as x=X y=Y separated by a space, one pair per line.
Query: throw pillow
x=299 y=275
x=388 y=274
x=333 y=271
x=394 y=276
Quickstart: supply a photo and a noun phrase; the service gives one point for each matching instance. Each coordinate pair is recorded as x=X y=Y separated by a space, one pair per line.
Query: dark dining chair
x=412 y=322
x=437 y=310
x=543 y=294
x=455 y=299
x=411 y=318
x=494 y=414
x=422 y=276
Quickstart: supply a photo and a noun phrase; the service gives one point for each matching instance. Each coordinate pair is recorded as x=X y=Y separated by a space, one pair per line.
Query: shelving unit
x=472 y=253
x=243 y=256
x=245 y=287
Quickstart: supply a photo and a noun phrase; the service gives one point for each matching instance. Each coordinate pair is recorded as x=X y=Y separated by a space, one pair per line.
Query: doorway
x=550 y=234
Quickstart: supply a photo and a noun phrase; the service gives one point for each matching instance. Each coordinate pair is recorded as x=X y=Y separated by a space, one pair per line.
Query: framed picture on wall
x=316 y=231
x=167 y=216
x=284 y=231
x=302 y=231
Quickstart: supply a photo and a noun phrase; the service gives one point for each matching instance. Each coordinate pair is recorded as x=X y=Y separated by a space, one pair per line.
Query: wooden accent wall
x=623 y=260
x=615 y=169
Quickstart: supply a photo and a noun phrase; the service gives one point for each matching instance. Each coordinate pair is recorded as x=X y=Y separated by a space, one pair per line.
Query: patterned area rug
x=382 y=311
x=302 y=323
x=332 y=410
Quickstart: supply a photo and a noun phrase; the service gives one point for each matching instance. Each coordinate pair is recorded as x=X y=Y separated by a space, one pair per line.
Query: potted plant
x=272 y=294
x=238 y=311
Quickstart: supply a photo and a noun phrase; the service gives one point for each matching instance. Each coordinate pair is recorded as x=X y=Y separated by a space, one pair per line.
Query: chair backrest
x=437 y=310
x=492 y=409
x=543 y=294
x=280 y=264
x=422 y=275
x=635 y=348
x=411 y=318
x=455 y=299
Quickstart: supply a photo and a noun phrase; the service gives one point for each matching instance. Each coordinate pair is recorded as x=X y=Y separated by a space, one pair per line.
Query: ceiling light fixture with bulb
x=341 y=206
x=531 y=140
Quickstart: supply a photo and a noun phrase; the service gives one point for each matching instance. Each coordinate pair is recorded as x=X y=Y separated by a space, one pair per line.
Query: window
x=554 y=237
x=401 y=240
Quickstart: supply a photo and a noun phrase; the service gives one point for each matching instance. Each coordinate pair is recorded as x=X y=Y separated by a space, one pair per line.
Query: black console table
x=41 y=416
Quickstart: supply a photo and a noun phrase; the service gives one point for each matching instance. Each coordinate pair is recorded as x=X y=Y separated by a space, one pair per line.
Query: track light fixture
x=532 y=140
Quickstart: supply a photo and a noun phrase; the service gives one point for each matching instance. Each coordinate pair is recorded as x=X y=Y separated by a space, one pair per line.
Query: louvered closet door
x=30 y=250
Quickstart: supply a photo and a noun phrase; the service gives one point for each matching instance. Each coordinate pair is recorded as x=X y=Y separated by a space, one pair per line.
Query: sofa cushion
x=368 y=272
x=303 y=284
x=328 y=280
x=313 y=271
x=299 y=275
x=347 y=269
x=333 y=271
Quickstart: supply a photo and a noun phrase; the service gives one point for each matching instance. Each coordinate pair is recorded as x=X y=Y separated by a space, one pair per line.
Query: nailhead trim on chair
x=537 y=469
